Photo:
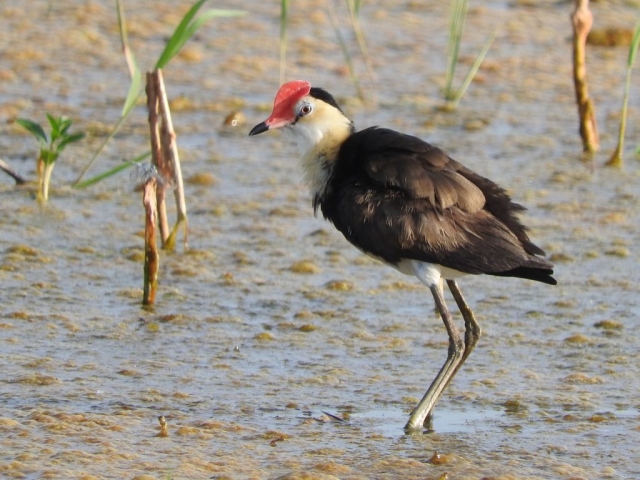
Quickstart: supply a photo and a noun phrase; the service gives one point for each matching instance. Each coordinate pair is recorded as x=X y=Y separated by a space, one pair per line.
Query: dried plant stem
x=582 y=20
x=9 y=171
x=170 y=149
x=164 y=156
x=157 y=159
x=151 y=257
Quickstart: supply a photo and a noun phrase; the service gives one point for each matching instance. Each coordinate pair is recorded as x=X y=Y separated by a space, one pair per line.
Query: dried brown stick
x=9 y=171
x=151 y=257
x=582 y=20
x=157 y=158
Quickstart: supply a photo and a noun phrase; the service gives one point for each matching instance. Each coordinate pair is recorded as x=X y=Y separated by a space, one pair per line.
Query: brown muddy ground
x=271 y=319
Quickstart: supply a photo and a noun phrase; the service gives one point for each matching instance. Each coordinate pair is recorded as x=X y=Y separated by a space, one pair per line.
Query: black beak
x=261 y=127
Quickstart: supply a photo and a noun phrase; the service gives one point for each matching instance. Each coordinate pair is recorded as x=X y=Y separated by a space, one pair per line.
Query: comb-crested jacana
x=408 y=204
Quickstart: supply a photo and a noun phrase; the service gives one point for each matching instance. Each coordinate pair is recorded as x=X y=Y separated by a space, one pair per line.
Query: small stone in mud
x=307 y=328
x=609 y=325
x=618 y=251
x=610 y=37
x=561 y=258
x=264 y=337
x=24 y=250
x=581 y=378
x=578 y=338
x=204 y=179
x=565 y=304
x=235 y=119
x=601 y=417
x=514 y=406
x=305 y=267
x=339 y=285
x=440 y=459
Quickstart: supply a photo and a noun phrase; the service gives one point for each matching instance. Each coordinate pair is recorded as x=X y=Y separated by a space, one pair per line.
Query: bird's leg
x=472 y=333
x=455 y=354
x=472 y=329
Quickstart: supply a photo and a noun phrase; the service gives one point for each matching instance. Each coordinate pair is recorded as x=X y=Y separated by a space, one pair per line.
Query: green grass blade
x=456 y=26
x=616 y=157
x=356 y=7
x=112 y=172
x=633 y=49
x=346 y=54
x=284 y=21
x=474 y=68
x=124 y=38
x=34 y=128
x=100 y=148
x=135 y=90
x=170 y=49
x=187 y=27
x=205 y=17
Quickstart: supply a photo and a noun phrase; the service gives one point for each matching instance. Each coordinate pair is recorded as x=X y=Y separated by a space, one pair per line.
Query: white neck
x=318 y=140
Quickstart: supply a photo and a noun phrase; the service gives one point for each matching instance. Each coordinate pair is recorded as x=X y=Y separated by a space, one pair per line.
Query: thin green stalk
x=474 y=69
x=347 y=55
x=100 y=148
x=616 y=158
x=112 y=172
x=284 y=20
x=124 y=39
x=354 y=11
x=458 y=15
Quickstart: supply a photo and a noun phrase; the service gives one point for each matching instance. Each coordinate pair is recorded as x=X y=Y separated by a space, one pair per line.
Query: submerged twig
x=582 y=20
x=9 y=171
x=164 y=431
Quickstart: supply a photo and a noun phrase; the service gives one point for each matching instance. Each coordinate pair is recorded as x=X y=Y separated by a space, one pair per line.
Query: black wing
x=395 y=196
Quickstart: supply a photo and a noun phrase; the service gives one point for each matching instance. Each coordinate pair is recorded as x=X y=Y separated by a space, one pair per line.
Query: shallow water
x=247 y=358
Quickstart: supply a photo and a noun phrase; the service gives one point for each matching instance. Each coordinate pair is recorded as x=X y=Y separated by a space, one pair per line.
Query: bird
x=408 y=204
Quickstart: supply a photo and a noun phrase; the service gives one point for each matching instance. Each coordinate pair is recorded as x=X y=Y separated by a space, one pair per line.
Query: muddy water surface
x=270 y=326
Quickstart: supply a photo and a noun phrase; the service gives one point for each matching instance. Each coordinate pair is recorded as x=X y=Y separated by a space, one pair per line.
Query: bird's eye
x=306 y=109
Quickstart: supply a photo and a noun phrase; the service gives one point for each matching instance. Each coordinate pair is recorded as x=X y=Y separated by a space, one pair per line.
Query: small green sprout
x=50 y=148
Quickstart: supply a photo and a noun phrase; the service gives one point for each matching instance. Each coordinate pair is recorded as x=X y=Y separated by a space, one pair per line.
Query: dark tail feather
x=538 y=274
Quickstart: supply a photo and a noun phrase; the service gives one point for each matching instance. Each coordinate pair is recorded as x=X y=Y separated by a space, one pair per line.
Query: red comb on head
x=287 y=97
